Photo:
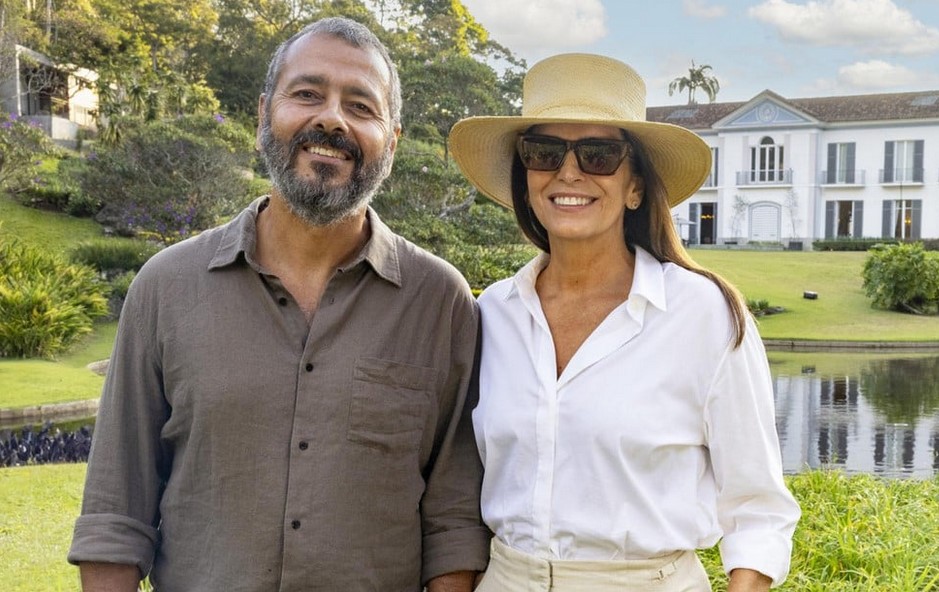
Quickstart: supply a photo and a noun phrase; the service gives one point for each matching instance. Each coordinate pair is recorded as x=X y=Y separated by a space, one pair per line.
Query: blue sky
x=797 y=48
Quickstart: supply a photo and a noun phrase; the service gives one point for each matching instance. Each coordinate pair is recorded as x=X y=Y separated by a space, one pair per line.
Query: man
x=288 y=402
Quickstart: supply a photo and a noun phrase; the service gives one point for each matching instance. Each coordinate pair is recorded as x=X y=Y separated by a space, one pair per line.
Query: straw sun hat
x=579 y=88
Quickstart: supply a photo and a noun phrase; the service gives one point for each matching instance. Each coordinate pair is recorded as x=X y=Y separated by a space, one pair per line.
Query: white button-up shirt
x=658 y=436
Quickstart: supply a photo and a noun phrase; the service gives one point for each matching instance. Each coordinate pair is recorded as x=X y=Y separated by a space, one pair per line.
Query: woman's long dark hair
x=649 y=226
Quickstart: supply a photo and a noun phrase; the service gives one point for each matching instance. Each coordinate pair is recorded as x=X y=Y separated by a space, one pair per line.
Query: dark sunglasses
x=595 y=156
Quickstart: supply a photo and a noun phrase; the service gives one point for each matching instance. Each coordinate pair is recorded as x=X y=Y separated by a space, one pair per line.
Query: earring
x=632 y=205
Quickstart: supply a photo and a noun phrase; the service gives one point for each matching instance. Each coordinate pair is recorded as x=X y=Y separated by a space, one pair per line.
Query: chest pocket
x=390 y=404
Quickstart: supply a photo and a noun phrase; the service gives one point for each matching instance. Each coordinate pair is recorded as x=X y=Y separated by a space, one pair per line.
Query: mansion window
x=841 y=164
x=902 y=218
x=844 y=219
x=766 y=162
x=903 y=161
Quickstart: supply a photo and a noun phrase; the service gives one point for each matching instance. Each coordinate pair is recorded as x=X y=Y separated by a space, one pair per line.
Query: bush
x=904 y=278
x=851 y=244
x=762 y=308
x=112 y=256
x=45 y=303
x=48 y=445
x=421 y=182
x=121 y=284
x=482 y=265
x=866 y=244
x=467 y=240
x=171 y=179
x=22 y=146
x=59 y=188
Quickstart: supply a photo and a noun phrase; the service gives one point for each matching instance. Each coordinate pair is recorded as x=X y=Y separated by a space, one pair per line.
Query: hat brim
x=483 y=148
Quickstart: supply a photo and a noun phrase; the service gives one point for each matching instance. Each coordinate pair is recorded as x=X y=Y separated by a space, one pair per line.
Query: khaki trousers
x=514 y=571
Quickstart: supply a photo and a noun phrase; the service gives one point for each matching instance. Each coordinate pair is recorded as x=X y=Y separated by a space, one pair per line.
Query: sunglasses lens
x=594 y=156
x=599 y=158
x=541 y=154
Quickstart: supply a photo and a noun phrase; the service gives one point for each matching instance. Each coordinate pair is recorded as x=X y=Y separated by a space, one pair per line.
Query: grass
x=38 y=506
x=859 y=533
x=841 y=312
x=53 y=231
x=32 y=382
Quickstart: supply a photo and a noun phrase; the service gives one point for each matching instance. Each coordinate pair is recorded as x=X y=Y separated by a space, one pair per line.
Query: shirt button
x=282 y=301
x=309 y=367
x=304 y=445
x=295 y=525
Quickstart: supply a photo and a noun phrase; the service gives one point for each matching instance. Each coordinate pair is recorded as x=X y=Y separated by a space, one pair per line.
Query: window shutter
x=916 y=221
x=832 y=174
x=858 y=219
x=830 y=214
x=717 y=223
x=918 y=161
x=849 y=172
x=888 y=164
x=694 y=215
x=715 y=166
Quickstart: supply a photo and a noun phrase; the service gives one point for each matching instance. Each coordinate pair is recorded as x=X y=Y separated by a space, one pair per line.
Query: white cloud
x=533 y=26
x=877 y=74
x=701 y=9
x=874 y=76
x=876 y=26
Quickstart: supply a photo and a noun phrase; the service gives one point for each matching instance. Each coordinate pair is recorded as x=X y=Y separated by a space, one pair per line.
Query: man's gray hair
x=356 y=35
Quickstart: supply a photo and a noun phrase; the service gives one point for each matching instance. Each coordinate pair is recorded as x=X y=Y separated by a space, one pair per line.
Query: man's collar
x=240 y=236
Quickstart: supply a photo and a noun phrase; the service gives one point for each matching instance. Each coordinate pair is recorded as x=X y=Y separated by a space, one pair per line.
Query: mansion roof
x=845 y=109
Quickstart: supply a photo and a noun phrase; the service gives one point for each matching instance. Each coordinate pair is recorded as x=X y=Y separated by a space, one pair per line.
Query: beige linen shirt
x=238 y=448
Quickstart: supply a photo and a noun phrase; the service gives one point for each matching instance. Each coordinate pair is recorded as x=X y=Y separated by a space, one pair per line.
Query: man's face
x=325 y=133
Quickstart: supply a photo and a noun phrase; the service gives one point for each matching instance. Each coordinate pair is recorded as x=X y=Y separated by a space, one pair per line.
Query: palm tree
x=696 y=79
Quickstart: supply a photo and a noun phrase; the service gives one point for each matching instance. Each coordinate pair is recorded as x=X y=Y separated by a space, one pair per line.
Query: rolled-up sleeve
x=120 y=508
x=756 y=511
x=454 y=537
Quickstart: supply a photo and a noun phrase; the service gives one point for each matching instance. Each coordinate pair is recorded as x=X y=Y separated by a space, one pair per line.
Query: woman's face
x=576 y=206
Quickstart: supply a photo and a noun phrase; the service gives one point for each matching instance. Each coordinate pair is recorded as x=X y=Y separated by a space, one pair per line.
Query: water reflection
x=872 y=413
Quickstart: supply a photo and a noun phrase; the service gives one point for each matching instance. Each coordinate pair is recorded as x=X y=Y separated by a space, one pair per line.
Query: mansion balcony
x=842 y=178
x=765 y=177
x=908 y=176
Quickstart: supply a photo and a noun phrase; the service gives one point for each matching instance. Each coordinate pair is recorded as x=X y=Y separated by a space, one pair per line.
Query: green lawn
x=38 y=506
x=841 y=312
x=24 y=383
x=50 y=230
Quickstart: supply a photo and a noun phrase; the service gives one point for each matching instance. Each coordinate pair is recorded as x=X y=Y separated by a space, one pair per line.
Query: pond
x=860 y=412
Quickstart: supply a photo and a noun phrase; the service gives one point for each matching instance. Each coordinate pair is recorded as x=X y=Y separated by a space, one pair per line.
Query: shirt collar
x=648 y=278
x=240 y=237
x=380 y=252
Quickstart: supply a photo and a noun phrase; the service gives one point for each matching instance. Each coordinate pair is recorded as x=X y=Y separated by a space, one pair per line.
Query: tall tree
x=697 y=78
x=444 y=56
x=248 y=33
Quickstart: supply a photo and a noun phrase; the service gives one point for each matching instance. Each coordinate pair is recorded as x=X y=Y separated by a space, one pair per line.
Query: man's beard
x=313 y=200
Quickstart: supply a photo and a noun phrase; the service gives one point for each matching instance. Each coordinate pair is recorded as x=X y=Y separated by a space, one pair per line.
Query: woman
x=626 y=411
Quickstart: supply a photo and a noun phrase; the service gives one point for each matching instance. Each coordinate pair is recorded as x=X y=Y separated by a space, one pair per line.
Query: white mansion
x=790 y=171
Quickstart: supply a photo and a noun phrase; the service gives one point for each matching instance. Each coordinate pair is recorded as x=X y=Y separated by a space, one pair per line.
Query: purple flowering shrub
x=170 y=179
x=48 y=444
x=22 y=145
